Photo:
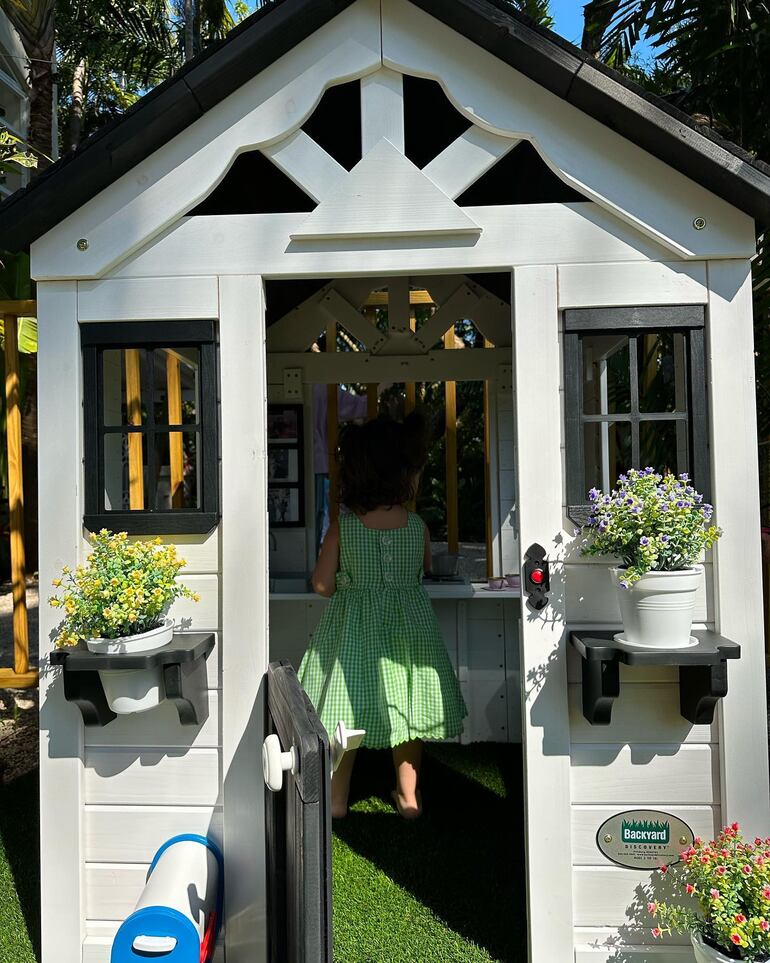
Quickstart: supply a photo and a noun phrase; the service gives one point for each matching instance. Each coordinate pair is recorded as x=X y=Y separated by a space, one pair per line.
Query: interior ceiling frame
x=340 y=302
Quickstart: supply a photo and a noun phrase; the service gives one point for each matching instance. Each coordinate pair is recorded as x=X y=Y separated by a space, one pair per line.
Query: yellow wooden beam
x=175 y=438
x=488 y=477
x=379 y=299
x=17 y=680
x=134 y=406
x=20 y=309
x=372 y=398
x=332 y=425
x=16 y=495
x=452 y=497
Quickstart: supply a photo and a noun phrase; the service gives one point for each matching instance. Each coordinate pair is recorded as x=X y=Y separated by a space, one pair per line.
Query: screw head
x=82 y=244
x=683 y=840
x=699 y=223
x=608 y=837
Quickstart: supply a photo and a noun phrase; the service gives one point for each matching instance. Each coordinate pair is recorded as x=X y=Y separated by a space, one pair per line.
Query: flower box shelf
x=702 y=672
x=184 y=676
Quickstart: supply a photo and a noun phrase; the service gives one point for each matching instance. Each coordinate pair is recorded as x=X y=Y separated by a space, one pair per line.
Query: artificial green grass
x=448 y=888
x=19 y=870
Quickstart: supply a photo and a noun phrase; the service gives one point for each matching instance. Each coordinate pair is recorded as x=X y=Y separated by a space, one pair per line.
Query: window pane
x=125 y=471
x=175 y=384
x=663 y=445
x=126 y=386
x=606 y=374
x=177 y=482
x=662 y=371
x=607 y=453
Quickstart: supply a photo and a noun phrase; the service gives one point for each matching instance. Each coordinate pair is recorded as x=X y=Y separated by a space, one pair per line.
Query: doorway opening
x=363 y=348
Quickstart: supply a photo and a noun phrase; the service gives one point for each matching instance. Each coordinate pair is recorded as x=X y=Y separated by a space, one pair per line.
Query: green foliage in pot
x=729 y=881
x=651 y=522
x=125 y=589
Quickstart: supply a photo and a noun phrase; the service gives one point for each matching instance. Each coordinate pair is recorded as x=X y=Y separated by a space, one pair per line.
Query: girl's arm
x=325 y=572
x=427 y=560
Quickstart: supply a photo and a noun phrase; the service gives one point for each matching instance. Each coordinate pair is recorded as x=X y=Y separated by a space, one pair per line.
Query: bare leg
x=406 y=760
x=341 y=785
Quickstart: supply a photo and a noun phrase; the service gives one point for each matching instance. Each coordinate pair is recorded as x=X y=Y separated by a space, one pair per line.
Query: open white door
x=545 y=724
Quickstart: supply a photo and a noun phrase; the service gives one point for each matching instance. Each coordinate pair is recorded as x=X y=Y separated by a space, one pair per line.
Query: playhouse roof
x=644 y=119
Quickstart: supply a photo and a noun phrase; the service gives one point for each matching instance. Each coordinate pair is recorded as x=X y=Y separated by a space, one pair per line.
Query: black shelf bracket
x=183 y=662
x=702 y=672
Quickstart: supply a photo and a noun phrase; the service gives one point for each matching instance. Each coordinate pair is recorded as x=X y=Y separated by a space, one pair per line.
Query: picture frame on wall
x=285 y=466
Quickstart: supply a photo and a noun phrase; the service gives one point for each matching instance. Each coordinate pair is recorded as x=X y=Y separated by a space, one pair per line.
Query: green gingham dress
x=377 y=660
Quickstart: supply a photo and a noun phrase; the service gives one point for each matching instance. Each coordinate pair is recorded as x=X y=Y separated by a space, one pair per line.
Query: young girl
x=377 y=660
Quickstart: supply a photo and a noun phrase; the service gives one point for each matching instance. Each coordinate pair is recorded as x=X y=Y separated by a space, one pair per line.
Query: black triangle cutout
x=521 y=177
x=431 y=122
x=254 y=185
x=335 y=124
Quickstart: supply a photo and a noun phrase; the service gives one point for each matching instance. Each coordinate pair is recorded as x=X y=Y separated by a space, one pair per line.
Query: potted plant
x=727 y=913
x=118 y=603
x=659 y=527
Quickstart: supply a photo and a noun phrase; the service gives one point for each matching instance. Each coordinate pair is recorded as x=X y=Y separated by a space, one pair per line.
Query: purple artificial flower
x=629 y=501
x=593 y=495
x=665 y=538
x=681 y=504
x=624 y=584
x=636 y=509
x=684 y=476
x=606 y=500
x=644 y=540
x=603 y=525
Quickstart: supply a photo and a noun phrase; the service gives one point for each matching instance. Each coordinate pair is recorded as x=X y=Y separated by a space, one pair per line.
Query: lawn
x=447 y=887
x=19 y=870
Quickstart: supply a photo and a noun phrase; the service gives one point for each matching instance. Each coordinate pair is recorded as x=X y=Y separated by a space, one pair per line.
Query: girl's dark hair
x=378 y=462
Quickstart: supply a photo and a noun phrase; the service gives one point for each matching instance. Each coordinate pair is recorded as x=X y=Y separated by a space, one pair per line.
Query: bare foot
x=407 y=808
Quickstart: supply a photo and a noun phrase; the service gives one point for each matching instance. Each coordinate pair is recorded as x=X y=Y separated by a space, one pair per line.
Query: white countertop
x=448 y=590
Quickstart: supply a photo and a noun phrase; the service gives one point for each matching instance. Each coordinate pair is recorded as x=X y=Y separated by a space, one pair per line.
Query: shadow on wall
x=638 y=929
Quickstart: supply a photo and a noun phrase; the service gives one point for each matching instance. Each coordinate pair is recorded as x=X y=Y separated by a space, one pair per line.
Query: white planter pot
x=133 y=690
x=705 y=953
x=144 y=642
x=657 y=611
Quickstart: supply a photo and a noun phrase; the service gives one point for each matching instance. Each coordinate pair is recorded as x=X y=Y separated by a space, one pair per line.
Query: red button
x=537 y=575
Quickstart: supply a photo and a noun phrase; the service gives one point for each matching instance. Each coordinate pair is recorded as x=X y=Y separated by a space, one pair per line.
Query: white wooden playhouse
x=327 y=150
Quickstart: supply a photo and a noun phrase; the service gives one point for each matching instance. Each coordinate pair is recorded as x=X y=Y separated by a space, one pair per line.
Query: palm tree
x=34 y=22
x=537 y=10
x=718 y=49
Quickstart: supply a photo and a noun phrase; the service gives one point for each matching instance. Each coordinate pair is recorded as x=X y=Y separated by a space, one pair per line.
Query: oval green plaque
x=643 y=838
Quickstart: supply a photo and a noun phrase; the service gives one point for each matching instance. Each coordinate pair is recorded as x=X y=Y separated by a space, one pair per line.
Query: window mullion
x=150 y=487
x=633 y=362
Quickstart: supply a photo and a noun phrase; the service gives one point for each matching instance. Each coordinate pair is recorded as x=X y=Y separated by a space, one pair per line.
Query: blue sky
x=568 y=15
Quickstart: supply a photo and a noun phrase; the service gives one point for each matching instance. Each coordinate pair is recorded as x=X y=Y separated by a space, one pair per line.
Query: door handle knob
x=275 y=762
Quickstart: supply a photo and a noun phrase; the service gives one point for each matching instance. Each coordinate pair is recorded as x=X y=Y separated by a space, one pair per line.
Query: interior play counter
x=480 y=629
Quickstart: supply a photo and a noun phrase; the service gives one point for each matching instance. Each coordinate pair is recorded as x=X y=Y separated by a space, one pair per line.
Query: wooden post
x=16 y=495
x=488 y=477
x=175 y=438
x=332 y=426
x=373 y=400
x=410 y=388
x=134 y=407
x=452 y=507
